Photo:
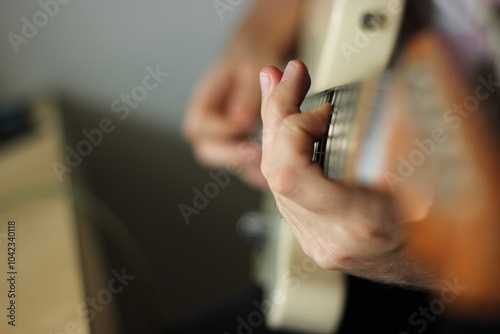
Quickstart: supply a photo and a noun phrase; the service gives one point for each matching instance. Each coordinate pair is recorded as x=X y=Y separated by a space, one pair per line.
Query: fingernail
x=265 y=83
x=290 y=68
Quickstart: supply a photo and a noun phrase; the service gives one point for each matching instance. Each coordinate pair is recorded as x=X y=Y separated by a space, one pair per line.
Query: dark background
x=142 y=176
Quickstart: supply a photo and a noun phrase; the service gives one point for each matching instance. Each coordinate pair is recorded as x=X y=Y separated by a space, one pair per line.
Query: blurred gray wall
x=89 y=54
x=100 y=49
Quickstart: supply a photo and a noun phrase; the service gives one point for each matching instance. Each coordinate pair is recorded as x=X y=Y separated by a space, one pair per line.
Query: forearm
x=270 y=29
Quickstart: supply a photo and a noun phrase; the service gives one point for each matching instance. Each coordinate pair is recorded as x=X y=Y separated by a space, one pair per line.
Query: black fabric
x=380 y=308
x=237 y=313
x=371 y=308
x=466 y=326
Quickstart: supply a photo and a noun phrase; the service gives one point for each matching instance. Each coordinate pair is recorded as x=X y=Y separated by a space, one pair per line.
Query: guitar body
x=342 y=42
x=298 y=294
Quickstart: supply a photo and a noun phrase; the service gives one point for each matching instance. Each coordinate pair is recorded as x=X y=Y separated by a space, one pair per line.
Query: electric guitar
x=410 y=121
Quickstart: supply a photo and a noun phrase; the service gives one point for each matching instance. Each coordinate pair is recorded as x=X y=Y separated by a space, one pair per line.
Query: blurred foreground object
x=45 y=255
x=421 y=129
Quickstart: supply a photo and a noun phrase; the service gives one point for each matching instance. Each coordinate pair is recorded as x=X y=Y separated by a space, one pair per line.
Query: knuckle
x=267 y=136
x=204 y=156
x=333 y=258
x=291 y=123
x=368 y=232
x=274 y=101
x=330 y=260
x=326 y=263
x=284 y=181
x=341 y=261
x=265 y=167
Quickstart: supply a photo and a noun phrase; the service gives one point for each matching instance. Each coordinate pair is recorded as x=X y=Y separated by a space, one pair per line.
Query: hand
x=339 y=227
x=224 y=114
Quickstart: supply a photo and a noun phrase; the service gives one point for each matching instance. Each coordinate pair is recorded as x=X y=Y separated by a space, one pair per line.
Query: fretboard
x=330 y=151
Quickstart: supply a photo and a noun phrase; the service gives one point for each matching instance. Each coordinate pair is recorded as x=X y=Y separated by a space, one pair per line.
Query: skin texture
x=340 y=228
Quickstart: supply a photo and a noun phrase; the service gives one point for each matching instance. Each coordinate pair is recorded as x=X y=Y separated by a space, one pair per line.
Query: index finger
x=282 y=94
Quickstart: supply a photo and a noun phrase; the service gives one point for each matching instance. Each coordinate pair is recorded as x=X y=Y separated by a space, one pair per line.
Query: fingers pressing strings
x=288 y=139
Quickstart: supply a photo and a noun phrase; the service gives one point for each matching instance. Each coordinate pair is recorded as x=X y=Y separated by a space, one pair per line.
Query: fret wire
x=331 y=150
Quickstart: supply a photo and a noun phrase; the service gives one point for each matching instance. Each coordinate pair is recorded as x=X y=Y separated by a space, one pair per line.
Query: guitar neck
x=330 y=151
x=351 y=148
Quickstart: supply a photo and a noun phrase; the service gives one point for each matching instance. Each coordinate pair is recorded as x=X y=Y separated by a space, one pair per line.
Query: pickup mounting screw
x=374 y=21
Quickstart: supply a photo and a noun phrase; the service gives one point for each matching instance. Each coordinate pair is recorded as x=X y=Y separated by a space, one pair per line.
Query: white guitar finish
x=299 y=295
x=336 y=46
